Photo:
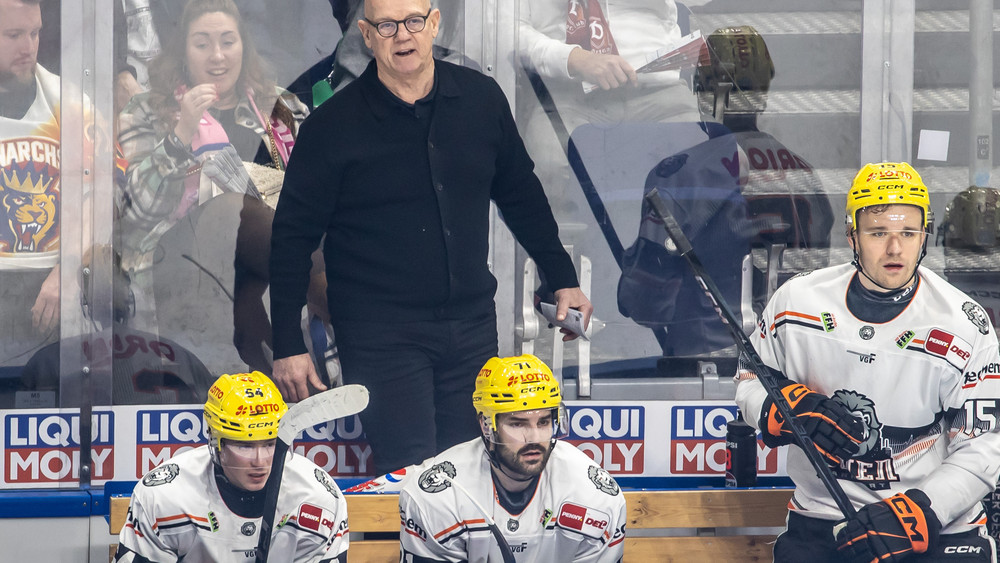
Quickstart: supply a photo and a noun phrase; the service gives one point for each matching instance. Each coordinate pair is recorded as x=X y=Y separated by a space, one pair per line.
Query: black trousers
x=420 y=377
x=811 y=540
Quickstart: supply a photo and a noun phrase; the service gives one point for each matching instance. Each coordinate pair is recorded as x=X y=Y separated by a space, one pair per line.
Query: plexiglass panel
x=747 y=118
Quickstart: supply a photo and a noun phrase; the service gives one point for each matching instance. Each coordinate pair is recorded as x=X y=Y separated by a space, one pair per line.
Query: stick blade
x=322 y=407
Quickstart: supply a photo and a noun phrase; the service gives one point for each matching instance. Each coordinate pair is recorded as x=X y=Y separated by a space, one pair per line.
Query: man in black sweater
x=397 y=171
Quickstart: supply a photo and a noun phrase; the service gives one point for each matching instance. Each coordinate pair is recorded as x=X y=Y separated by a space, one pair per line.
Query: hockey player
x=915 y=360
x=550 y=501
x=205 y=505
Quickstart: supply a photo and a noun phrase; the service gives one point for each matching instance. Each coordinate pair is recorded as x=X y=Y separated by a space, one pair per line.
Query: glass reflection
x=205 y=148
x=29 y=191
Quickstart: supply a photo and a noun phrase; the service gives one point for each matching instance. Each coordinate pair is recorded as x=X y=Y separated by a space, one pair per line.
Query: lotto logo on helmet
x=261 y=408
x=582 y=519
x=528 y=378
x=889 y=173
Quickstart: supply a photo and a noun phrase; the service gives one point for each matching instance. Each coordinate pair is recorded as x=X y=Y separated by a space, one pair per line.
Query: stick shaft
x=272 y=488
x=764 y=374
x=322 y=407
x=505 y=552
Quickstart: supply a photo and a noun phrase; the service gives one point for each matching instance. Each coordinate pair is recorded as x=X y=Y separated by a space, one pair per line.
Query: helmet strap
x=214 y=448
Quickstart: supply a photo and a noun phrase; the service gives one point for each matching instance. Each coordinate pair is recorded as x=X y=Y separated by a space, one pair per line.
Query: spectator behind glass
x=573 y=43
x=189 y=205
x=146 y=369
x=29 y=188
x=291 y=36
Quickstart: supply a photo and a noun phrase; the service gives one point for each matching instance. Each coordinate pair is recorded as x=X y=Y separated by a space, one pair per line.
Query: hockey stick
x=765 y=375
x=328 y=405
x=505 y=552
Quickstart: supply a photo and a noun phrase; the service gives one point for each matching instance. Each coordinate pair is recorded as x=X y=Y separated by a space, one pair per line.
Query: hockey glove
x=836 y=432
x=889 y=530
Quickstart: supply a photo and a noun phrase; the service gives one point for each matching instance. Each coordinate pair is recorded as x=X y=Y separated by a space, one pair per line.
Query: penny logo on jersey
x=948 y=346
x=698 y=441
x=44 y=448
x=29 y=196
x=611 y=436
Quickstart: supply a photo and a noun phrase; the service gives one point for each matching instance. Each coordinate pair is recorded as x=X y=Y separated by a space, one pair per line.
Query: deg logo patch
x=603 y=480
x=161 y=475
x=434 y=479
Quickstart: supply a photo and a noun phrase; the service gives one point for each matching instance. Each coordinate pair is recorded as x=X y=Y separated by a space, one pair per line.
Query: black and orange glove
x=836 y=432
x=889 y=530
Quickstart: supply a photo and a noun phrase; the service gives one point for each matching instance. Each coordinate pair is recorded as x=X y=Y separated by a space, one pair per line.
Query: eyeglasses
x=389 y=28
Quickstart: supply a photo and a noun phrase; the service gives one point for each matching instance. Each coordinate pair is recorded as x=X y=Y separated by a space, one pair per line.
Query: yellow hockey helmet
x=887 y=183
x=518 y=383
x=243 y=407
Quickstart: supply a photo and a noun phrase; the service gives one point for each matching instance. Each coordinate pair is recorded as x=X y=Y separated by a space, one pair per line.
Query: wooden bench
x=708 y=521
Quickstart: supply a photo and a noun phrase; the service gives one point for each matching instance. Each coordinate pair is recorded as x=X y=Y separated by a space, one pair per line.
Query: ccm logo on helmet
x=260 y=424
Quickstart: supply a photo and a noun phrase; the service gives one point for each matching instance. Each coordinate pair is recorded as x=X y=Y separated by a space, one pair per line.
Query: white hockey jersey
x=926 y=384
x=29 y=181
x=576 y=514
x=177 y=514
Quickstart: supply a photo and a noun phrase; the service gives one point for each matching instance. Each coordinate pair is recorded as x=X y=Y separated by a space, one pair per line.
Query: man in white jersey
x=29 y=187
x=550 y=501
x=915 y=360
x=205 y=504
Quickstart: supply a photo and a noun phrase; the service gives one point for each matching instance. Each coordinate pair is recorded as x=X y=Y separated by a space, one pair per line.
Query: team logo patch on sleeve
x=948 y=346
x=161 y=475
x=433 y=480
x=977 y=315
x=585 y=520
x=603 y=480
x=324 y=479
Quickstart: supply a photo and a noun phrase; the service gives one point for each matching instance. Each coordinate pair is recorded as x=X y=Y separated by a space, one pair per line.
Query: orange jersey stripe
x=799 y=315
x=457 y=524
x=168 y=519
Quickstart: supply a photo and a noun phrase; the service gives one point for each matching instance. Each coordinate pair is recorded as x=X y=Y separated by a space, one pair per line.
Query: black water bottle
x=741 y=453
